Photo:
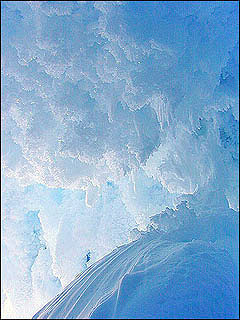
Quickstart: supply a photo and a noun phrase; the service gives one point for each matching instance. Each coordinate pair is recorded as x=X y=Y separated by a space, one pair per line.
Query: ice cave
x=120 y=159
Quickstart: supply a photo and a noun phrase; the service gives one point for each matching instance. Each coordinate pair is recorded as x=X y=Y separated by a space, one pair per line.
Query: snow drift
x=182 y=268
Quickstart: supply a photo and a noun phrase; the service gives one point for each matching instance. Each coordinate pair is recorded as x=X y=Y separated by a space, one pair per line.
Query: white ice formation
x=111 y=113
x=183 y=267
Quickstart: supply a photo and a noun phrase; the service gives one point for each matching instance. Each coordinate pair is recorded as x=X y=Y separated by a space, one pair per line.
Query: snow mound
x=179 y=272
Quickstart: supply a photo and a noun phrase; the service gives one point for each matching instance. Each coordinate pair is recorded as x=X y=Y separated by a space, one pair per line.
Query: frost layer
x=95 y=91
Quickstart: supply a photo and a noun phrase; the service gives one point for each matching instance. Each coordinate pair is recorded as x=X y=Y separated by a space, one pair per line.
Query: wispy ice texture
x=111 y=112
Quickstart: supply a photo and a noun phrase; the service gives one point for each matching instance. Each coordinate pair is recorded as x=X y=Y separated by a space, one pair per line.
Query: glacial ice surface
x=181 y=268
x=113 y=112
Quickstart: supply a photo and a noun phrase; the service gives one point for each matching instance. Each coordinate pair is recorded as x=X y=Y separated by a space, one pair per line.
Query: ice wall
x=111 y=112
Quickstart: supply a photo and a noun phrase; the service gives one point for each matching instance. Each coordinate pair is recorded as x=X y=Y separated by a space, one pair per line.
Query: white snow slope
x=187 y=271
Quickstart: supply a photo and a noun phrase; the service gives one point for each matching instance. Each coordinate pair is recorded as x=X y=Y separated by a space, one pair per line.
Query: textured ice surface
x=181 y=272
x=111 y=112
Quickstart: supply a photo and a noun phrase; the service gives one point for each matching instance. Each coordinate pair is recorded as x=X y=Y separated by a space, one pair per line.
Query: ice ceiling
x=111 y=112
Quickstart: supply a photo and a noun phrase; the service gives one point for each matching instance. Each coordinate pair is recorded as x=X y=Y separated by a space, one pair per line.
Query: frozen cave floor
x=172 y=271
